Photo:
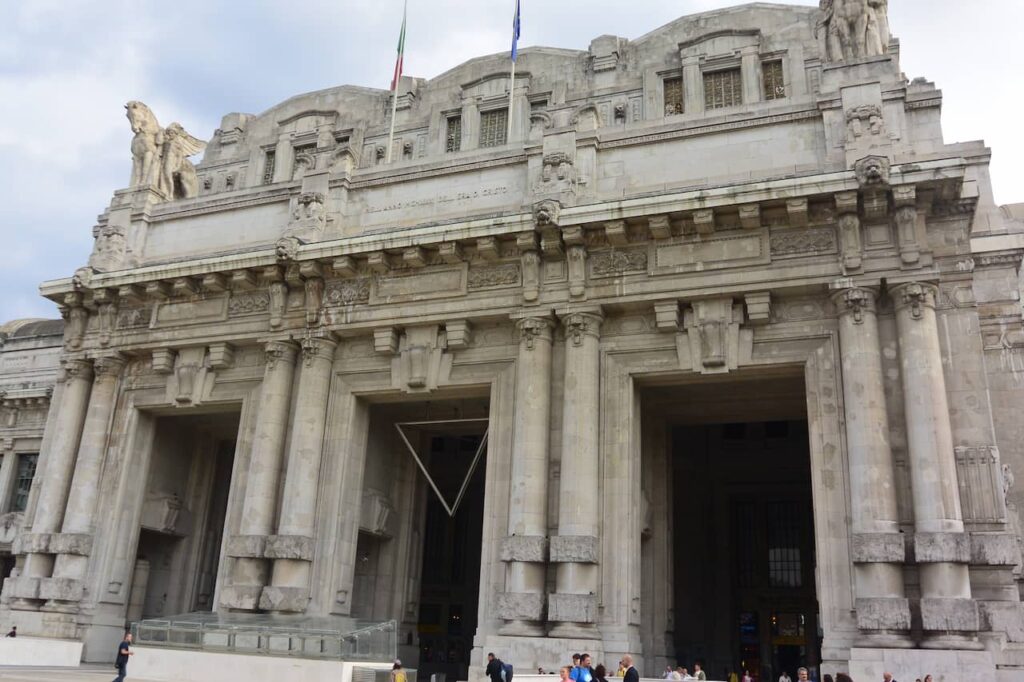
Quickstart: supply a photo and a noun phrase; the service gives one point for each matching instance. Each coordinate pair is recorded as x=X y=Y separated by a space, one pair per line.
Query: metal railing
x=269 y=636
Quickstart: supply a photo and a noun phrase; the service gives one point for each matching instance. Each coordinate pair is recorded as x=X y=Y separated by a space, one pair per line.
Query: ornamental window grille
x=673 y=88
x=785 y=528
x=453 y=137
x=23 y=481
x=723 y=89
x=269 y=164
x=774 y=84
x=298 y=152
x=494 y=128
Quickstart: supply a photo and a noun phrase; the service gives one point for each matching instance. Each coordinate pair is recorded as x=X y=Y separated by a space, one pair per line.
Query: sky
x=68 y=66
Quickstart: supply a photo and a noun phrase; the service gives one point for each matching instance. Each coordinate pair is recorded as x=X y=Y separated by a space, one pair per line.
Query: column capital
x=915 y=296
x=318 y=349
x=109 y=365
x=533 y=328
x=78 y=368
x=278 y=352
x=855 y=301
x=582 y=323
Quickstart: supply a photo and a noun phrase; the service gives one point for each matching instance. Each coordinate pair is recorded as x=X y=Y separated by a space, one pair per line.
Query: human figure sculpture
x=160 y=155
x=854 y=28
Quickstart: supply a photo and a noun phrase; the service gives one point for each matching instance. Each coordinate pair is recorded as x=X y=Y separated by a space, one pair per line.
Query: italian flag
x=401 y=50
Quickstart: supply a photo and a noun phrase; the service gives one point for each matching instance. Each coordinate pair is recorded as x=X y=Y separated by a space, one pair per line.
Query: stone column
x=525 y=549
x=251 y=571
x=883 y=612
x=941 y=548
x=750 y=72
x=292 y=548
x=693 y=87
x=74 y=544
x=573 y=608
x=58 y=464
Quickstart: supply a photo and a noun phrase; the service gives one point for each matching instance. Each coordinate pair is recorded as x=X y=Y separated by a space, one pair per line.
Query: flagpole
x=398 y=77
x=511 y=103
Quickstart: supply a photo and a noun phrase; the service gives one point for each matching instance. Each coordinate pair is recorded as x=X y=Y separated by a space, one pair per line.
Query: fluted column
x=75 y=541
x=525 y=548
x=292 y=549
x=573 y=608
x=941 y=548
x=58 y=464
x=251 y=570
x=883 y=612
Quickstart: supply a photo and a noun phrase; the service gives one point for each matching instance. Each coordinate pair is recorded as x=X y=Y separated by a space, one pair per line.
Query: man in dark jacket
x=123 y=652
x=631 y=673
x=494 y=668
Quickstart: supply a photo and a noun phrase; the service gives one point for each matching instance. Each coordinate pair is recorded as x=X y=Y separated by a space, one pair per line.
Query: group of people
x=681 y=673
x=581 y=670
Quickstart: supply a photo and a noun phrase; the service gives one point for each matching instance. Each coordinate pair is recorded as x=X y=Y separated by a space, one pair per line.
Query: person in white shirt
x=784 y=677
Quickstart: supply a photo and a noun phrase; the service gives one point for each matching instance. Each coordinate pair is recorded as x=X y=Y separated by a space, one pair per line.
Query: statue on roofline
x=854 y=29
x=160 y=155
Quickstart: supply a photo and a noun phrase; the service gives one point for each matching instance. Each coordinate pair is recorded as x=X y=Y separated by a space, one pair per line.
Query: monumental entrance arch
x=712 y=355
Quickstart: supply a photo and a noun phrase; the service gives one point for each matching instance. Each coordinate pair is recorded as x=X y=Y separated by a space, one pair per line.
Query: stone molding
x=61 y=589
x=994 y=549
x=290 y=547
x=582 y=549
x=246 y=546
x=883 y=613
x=878 y=548
x=22 y=587
x=572 y=608
x=78 y=544
x=34 y=543
x=935 y=548
x=521 y=606
x=950 y=615
x=242 y=597
x=526 y=548
x=290 y=599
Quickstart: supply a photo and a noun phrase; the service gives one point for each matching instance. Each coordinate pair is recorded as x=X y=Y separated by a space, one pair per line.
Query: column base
x=241 y=597
x=285 y=599
x=522 y=628
x=952 y=642
x=575 y=631
x=885 y=640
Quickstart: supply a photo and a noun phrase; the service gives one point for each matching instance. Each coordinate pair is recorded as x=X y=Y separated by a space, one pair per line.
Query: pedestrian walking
x=124 y=650
x=631 y=674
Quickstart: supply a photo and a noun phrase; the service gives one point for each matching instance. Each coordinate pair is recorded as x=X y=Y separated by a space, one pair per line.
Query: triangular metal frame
x=451 y=509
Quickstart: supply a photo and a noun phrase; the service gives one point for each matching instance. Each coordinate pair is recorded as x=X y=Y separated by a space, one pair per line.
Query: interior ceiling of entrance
x=729 y=398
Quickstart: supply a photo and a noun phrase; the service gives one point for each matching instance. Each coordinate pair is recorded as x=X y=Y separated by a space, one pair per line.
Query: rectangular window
x=269 y=164
x=453 y=137
x=723 y=89
x=494 y=128
x=744 y=541
x=785 y=568
x=774 y=85
x=23 y=481
x=673 y=96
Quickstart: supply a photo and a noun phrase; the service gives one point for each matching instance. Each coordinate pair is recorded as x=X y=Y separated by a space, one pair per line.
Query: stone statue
x=854 y=28
x=160 y=155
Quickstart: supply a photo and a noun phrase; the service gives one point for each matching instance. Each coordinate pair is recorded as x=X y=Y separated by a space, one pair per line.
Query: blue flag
x=515 y=33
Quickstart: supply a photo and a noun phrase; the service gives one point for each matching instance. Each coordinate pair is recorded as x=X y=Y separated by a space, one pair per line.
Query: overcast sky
x=68 y=66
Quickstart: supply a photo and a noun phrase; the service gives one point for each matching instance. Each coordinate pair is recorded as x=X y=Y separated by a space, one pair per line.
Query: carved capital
x=856 y=302
x=580 y=325
x=317 y=349
x=75 y=369
x=109 y=366
x=916 y=297
x=533 y=328
x=280 y=353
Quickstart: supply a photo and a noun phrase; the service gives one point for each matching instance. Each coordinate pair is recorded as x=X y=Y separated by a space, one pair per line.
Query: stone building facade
x=735 y=333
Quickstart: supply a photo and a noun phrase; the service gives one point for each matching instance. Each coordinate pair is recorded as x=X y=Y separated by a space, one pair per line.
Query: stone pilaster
x=74 y=543
x=292 y=547
x=57 y=463
x=941 y=548
x=883 y=612
x=525 y=549
x=573 y=607
x=251 y=570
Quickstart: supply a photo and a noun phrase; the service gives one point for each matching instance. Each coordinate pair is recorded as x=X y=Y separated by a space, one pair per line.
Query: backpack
x=506 y=671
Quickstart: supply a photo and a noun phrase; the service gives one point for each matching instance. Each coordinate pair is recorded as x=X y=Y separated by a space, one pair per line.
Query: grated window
x=774 y=85
x=23 y=482
x=723 y=89
x=269 y=164
x=673 y=96
x=453 y=137
x=785 y=568
x=494 y=128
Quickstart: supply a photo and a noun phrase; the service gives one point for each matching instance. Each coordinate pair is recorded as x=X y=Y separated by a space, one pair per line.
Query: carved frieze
x=347 y=292
x=864 y=120
x=133 y=318
x=250 y=303
x=803 y=242
x=615 y=263
x=506 y=275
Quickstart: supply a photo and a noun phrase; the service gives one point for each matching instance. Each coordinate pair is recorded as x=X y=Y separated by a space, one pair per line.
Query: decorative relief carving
x=347 y=292
x=547 y=213
x=110 y=249
x=982 y=485
x=872 y=171
x=506 y=275
x=915 y=296
x=133 y=318
x=800 y=242
x=251 y=303
x=580 y=325
x=533 y=328
x=857 y=302
x=865 y=119
x=854 y=29
x=160 y=155
x=558 y=173
x=615 y=263
x=531 y=275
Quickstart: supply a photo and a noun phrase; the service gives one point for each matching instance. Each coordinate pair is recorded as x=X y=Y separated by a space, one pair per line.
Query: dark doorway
x=450 y=574
x=744 y=547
